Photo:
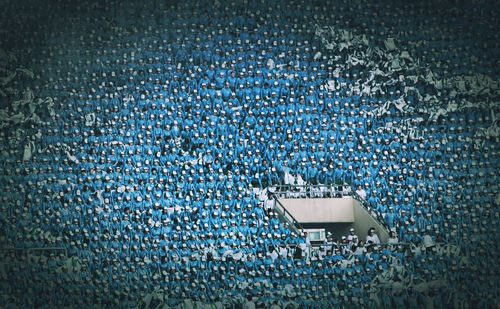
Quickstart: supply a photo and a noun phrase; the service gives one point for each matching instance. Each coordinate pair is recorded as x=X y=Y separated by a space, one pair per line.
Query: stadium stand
x=140 y=140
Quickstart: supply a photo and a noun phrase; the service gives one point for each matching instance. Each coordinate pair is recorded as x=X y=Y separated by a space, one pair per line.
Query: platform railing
x=28 y=251
x=373 y=213
x=42 y=249
x=312 y=191
x=287 y=217
x=316 y=249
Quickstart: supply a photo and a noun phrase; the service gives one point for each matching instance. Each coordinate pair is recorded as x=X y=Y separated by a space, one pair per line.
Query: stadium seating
x=138 y=141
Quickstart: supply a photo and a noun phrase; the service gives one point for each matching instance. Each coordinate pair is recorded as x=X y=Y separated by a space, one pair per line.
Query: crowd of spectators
x=139 y=138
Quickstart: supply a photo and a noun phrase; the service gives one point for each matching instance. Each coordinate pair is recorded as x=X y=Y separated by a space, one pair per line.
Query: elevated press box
x=337 y=215
x=320 y=210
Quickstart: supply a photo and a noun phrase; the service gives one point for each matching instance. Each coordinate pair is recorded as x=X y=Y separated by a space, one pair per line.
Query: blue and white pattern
x=137 y=138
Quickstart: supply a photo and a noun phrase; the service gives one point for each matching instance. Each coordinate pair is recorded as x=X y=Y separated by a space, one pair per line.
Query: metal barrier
x=28 y=251
x=407 y=248
x=17 y=250
x=375 y=214
x=312 y=191
x=286 y=216
x=314 y=249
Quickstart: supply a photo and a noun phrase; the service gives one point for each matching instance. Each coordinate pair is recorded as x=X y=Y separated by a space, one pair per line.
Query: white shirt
x=269 y=204
x=249 y=305
x=373 y=238
x=393 y=240
x=361 y=193
x=428 y=241
x=352 y=238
